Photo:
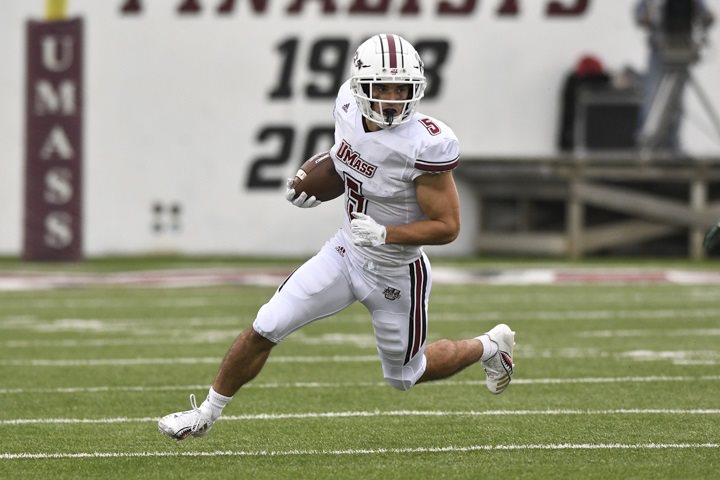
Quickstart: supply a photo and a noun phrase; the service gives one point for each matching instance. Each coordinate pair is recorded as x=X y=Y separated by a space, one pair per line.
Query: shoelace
x=199 y=419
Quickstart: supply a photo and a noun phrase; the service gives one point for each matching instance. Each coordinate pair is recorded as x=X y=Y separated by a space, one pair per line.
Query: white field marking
x=93 y=362
x=205 y=336
x=191 y=277
x=564 y=315
x=708 y=294
x=692 y=277
x=573 y=276
x=684 y=332
x=582 y=297
x=143 y=336
x=158 y=335
x=681 y=357
x=142 y=327
x=57 y=324
x=174 y=278
x=112 y=303
x=363 y=451
x=131 y=303
x=131 y=325
x=209 y=337
x=674 y=355
x=374 y=414
x=78 y=325
x=110 y=299
x=345 y=385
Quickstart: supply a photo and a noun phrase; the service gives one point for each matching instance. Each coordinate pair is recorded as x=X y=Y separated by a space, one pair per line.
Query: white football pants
x=396 y=297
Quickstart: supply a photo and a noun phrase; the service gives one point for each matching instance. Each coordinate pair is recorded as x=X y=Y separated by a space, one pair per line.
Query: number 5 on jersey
x=354 y=200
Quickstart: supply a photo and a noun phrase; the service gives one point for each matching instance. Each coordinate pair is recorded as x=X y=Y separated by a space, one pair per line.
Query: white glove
x=302 y=200
x=366 y=231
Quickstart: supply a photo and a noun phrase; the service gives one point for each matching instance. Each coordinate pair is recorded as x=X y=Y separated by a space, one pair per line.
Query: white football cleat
x=499 y=367
x=180 y=425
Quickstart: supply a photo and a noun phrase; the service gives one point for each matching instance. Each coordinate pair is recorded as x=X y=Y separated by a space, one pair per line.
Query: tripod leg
x=705 y=101
x=658 y=118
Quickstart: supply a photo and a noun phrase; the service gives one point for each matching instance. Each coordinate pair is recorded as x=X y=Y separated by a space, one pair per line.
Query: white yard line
x=344 y=385
x=363 y=451
x=199 y=277
x=215 y=336
x=644 y=333
x=579 y=297
x=680 y=357
x=112 y=303
x=30 y=323
x=121 y=362
x=375 y=413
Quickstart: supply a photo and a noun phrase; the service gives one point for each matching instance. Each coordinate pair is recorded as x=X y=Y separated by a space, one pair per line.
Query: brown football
x=317 y=177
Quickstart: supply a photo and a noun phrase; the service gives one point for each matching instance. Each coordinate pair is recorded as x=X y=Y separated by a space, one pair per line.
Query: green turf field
x=612 y=381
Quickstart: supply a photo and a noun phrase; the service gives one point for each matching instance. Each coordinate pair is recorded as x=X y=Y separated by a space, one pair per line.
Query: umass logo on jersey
x=352 y=159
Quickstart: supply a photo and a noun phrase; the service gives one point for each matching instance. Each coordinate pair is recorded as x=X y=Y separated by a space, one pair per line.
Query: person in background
x=663 y=19
x=588 y=73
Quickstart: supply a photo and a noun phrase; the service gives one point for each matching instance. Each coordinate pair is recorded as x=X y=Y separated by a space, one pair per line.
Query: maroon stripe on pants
x=411 y=316
x=419 y=310
x=417 y=318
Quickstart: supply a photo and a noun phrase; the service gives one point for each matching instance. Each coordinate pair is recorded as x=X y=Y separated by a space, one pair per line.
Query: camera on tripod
x=682 y=32
x=678 y=31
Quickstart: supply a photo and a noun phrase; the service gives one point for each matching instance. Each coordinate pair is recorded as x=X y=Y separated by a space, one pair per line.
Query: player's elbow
x=450 y=232
x=453 y=235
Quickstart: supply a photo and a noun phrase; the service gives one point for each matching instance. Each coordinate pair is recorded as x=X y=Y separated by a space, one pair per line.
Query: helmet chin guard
x=390 y=59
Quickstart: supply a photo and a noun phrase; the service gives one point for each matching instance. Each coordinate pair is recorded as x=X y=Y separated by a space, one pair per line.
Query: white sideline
x=681 y=357
x=364 y=451
x=374 y=413
x=15 y=323
x=194 y=277
x=95 y=362
x=443 y=383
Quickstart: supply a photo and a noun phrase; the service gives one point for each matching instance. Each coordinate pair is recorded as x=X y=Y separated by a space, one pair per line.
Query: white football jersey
x=379 y=169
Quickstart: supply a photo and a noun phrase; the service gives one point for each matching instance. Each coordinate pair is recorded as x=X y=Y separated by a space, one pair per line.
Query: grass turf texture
x=613 y=381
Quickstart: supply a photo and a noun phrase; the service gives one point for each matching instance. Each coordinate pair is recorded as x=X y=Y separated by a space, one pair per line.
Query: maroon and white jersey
x=379 y=169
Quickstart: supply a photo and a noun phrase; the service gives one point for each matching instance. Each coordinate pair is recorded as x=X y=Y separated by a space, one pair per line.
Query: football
x=317 y=177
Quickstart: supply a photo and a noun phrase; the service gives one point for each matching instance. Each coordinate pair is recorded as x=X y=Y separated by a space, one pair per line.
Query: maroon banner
x=53 y=149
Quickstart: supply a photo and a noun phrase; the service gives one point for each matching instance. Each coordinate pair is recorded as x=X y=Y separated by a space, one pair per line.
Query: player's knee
x=404 y=377
x=400 y=383
x=258 y=339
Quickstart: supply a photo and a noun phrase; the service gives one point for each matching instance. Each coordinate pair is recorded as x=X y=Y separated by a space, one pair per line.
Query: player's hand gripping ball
x=317 y=178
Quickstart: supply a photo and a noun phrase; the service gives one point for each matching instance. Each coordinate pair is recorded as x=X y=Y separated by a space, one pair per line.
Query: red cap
x=588 y=65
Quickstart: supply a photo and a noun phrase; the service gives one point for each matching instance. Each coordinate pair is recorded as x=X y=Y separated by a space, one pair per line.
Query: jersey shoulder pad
x=441 y=149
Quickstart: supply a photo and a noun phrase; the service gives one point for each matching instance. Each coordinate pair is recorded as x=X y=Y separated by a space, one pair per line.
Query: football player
x=399 y=195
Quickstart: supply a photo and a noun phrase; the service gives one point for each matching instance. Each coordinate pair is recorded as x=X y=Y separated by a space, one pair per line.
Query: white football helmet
x=387 y=58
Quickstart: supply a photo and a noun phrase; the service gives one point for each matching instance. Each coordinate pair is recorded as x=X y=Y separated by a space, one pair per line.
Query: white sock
x=490 y=348
x=215 y=403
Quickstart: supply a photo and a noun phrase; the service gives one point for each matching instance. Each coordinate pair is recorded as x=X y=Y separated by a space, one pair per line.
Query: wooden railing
x=633 y=187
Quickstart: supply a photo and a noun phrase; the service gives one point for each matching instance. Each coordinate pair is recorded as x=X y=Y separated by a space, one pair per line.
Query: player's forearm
x=425 y=232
